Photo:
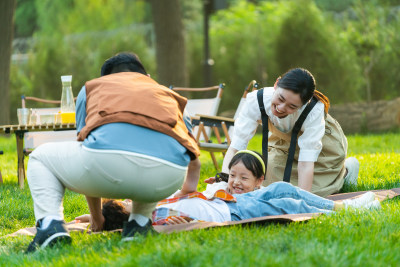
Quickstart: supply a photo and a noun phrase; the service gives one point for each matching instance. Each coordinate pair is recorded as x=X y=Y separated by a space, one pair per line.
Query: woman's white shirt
x=313 y=127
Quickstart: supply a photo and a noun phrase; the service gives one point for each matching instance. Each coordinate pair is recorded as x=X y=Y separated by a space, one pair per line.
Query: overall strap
x=264 y=119
x=293 y=140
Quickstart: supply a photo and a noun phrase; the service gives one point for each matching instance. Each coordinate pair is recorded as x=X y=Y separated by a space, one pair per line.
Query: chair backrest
x=253 y=85
x=202 y=106
x=34 y=139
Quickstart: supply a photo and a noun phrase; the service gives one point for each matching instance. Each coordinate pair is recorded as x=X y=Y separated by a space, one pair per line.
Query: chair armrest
x=212 y=121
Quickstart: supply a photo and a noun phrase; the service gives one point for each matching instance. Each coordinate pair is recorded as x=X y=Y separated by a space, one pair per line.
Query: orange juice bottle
x=67 y=101
x=67 y=117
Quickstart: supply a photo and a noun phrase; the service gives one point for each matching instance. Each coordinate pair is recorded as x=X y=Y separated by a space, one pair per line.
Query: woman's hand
x=177 y=220
x=210 y=180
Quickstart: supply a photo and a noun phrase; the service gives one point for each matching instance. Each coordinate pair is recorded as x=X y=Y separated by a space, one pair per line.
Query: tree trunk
x=7 y=8
x=170 y=42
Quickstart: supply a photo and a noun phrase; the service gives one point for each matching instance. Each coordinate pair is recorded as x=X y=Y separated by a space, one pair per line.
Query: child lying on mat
x=240 y=198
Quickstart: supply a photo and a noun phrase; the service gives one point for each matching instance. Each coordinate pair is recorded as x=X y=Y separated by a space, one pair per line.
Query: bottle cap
x=66 y=78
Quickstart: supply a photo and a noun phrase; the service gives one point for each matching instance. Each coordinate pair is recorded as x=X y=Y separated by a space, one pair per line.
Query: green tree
x=77 y=41
x=373 y=31
x=7 y=9
x=170 y=42
x=25 y=18
x=242 y=40
x=308 y=40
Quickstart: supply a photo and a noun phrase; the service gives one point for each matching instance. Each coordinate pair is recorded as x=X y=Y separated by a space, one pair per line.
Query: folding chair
x=217 y=123
x=205 y=106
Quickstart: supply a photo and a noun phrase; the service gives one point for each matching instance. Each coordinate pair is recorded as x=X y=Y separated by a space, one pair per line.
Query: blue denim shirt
x=132 y=138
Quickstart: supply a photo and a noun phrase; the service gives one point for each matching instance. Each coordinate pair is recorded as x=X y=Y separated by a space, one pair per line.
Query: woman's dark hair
x=250 y=162
x=300 y=81
x=114 y=214
x=122 y=62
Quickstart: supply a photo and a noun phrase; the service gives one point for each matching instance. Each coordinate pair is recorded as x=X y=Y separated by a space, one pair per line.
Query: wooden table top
x=35 y=128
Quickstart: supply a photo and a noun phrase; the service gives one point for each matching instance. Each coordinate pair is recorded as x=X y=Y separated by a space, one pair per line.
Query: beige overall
x=329 y=169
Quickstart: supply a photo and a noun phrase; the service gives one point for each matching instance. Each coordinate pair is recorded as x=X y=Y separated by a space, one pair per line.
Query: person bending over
x=134 y=141
x=319 y=147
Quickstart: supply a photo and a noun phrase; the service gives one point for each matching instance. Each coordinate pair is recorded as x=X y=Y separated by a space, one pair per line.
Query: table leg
x=20 y=153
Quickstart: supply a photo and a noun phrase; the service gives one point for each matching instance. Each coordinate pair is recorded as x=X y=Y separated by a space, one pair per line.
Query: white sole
x=51 y=238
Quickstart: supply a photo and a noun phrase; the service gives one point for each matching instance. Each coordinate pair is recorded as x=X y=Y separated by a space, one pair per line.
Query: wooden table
x=20 y=130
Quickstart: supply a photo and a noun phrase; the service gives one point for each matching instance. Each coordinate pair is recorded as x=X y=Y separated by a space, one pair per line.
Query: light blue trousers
x=277 y=199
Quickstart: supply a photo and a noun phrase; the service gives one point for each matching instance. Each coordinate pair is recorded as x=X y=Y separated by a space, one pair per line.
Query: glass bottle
x=67 y=100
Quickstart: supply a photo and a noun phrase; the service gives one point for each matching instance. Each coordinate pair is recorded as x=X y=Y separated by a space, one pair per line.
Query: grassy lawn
x=341 y=239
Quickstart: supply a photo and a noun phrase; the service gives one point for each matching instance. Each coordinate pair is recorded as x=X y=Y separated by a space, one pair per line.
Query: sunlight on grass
x=340 y=239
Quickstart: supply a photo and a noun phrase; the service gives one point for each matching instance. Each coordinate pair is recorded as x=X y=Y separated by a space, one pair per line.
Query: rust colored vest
x=135 y=98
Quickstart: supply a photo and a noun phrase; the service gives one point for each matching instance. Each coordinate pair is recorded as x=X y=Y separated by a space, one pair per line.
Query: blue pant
x=277 y=199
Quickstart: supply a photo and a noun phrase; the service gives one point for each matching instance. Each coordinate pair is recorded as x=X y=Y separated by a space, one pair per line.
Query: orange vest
x=135 y=98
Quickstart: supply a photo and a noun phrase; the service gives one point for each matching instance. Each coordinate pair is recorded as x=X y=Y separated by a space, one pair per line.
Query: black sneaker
x=53 y=234
x=132 y=227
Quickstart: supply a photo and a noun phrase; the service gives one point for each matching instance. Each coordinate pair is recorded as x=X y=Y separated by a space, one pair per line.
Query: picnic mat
x=286 y=218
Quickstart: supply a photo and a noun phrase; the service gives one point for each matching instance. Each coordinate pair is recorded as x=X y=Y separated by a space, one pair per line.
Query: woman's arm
x=227 y=159
x=306 y=174
x=244 y=129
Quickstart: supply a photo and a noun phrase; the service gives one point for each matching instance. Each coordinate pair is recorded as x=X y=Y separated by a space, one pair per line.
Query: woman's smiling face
x=241 y=180
x=285 y=102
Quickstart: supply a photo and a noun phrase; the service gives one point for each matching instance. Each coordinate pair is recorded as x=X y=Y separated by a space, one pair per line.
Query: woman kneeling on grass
x=240 y=198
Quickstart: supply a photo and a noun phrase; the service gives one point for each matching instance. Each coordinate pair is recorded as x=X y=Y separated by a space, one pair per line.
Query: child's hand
x=177 y=220
x=210 y=180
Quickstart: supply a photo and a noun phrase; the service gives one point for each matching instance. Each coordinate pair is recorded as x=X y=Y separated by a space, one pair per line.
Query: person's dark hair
x=114 y=214
x=300 y=81
x=250 y=162
x=123 y=62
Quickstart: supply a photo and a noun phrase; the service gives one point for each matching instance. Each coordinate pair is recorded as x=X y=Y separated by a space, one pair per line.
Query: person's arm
x=97 y=218
x=306 y=174
x=244 y=129
x=178 y=220
x=192 y=178
x=227 y=159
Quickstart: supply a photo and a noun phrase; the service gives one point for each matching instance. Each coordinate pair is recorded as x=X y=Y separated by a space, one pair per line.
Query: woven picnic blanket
x=286 y=218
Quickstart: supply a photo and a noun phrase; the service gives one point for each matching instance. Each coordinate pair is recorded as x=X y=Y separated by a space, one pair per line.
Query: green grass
x=341 y=239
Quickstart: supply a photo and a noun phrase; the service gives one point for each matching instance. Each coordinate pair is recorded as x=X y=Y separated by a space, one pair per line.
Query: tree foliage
x=77 y=40
x=7 y=10
x=308 y=40
x=351 y=46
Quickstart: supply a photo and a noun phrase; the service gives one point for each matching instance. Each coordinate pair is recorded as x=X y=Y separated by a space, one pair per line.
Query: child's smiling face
x=241 y=180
